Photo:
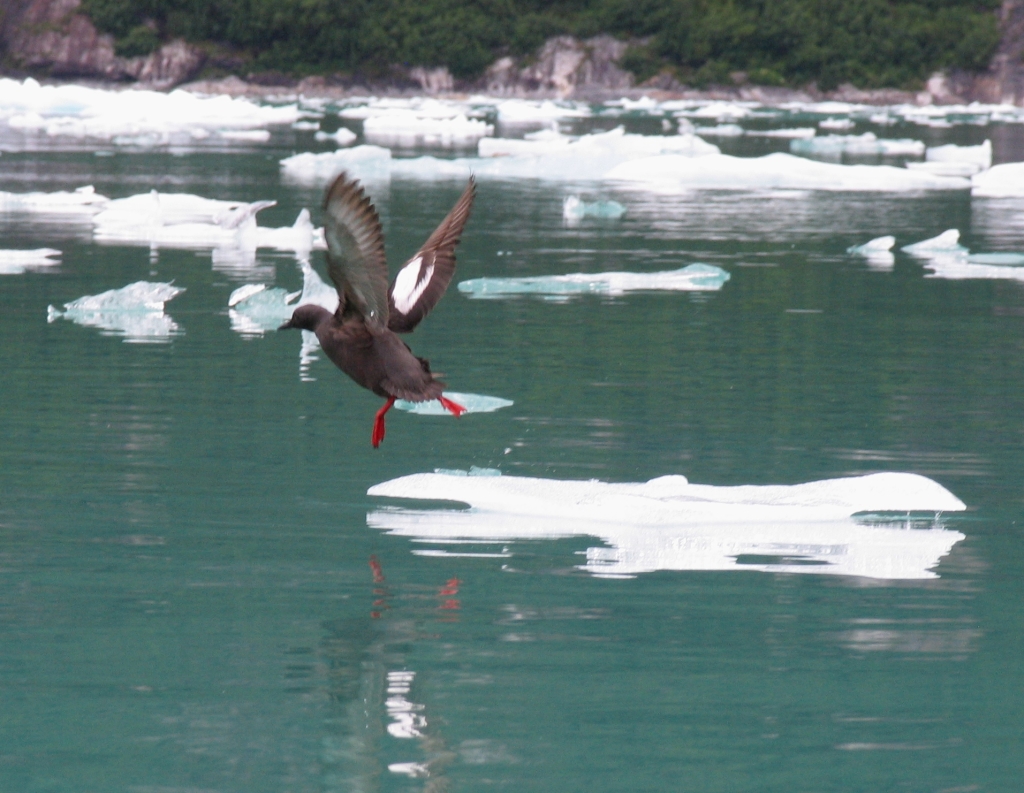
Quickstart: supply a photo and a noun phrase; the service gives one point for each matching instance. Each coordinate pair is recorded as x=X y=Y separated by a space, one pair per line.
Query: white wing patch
x=410 y=284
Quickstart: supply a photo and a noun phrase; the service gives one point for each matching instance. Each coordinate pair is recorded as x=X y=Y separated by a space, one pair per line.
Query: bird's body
x=361 y=337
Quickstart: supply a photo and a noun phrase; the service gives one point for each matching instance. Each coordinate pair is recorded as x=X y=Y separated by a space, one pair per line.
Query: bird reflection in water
x=373 y=689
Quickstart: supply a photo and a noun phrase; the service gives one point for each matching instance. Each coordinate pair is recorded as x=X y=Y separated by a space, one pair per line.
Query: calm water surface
x=187 y=599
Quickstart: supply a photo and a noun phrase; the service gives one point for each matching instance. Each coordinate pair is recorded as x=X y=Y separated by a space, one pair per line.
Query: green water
x=186 y=596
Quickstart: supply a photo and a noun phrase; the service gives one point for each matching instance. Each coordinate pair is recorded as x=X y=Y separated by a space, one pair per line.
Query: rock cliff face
x=50 y=37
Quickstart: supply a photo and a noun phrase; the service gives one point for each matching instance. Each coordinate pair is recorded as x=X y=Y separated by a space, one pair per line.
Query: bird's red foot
x=378 y=423
x=452 y=407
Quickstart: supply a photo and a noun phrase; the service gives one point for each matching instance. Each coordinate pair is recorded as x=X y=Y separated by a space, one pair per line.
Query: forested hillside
x=870 y=43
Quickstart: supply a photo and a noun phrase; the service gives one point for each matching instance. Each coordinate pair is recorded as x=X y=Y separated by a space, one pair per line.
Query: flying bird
x=361 y=336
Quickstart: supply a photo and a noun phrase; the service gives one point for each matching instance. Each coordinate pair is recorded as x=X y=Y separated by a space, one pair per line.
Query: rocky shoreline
x=50 y=38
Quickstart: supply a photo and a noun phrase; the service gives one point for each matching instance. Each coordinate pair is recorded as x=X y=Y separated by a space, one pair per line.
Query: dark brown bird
x=360 y=337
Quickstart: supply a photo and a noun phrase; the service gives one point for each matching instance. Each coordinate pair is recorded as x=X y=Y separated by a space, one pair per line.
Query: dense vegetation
x=870 y=43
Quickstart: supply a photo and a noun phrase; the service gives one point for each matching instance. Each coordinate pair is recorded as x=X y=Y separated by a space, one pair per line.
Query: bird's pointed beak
x=286 y=325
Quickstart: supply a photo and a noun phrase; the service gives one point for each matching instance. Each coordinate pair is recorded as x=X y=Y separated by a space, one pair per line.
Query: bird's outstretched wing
x=355 y=251
x=425 y=277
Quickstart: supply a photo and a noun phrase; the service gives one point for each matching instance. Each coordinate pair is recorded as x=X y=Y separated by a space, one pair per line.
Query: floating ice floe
x=999 y=181
x=473 y=403
x=573 y=208
x=773 y=171
x=521 y=111
x=84 y=201
x=366 y=163
x=946 y=243
x=837 y=124
x=720 y=131
x=946 y=258
x=1000 y=266
x=692 y=278
x=248 y=135
x=556 y=159
x=980 y=155
x=878 y=251
x=134 y=117
x=670 y=524
x=867 y=144
x=15 y=262
x=657 y=162
x=407 y=129
x=720 y=111
x=253 y=309
x=795 y=133
x=343 y=136
x=181 y=220
x=135 y=312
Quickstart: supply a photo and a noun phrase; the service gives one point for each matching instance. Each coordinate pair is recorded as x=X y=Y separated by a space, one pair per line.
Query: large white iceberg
x=999 y=181
x=670 y=524
x=135 y=312
x=15 y=262
x=692 y=278
x=130 y=116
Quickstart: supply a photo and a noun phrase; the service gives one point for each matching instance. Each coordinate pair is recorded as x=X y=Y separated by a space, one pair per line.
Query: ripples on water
x=197 y=594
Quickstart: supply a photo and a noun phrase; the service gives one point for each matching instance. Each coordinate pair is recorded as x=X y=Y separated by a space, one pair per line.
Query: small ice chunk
x=948 y=242
x=255 y=309
x=249 y=135
x=980 y=155
x=135 y=312
x=343 y=137
x=15 y=262
x=795 y=133
x=692 y=278
x=306 y=126
x=473 y=403
x=999 y=181
x=575 y=209
x=878 y=252
x=877 y=245
x=836 y=124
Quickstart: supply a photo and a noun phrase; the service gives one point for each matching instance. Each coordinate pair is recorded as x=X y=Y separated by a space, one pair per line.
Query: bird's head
x=307 y=317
